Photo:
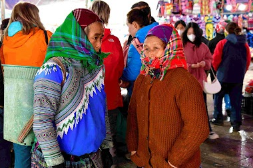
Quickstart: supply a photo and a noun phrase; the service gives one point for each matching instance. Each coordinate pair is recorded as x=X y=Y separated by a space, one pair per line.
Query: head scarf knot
x=173 y=54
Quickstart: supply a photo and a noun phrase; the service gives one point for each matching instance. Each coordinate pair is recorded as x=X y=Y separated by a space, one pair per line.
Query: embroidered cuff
x=55 y=161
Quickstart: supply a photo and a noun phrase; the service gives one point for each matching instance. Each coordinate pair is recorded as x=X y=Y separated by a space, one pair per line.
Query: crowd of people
x=61 y=95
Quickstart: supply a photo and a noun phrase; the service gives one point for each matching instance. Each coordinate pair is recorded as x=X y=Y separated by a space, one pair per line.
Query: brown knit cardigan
x=167 y=121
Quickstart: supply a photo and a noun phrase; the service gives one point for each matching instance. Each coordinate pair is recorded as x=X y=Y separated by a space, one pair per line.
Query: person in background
x=166 y=121
x=138 y=26
x=69 y=97
x=5 y=146
x=180 y=26
x=114 y=65
x=231 y=60
x=198 y=58
x=203 y=39
x=24 y=44
x=220 y=30
x=139 y=5
x=4 y=24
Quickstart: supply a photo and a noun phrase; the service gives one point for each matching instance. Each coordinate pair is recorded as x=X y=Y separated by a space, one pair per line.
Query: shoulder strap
x=25 y=131
x=46 y=37
x=137 y=44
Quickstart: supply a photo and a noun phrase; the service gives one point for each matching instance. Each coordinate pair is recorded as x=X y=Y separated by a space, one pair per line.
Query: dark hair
x=201 y=32
x=180 y=22
x=196 y=31
x=138 y=15
x=233 y=28
x=145 y=7
x=5 y=23
x=140 y=4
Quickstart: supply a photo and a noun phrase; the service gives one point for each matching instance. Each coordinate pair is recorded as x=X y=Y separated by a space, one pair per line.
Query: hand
x=133 y=152
x=59 y=166
x=202 y=63
x=123 y=84
x=195 y=65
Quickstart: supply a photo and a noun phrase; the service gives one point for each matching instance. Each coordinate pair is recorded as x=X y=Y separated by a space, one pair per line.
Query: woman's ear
x=136 y=25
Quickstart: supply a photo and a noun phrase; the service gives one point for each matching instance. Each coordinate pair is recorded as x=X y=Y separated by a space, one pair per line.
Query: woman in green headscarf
x=69 y=99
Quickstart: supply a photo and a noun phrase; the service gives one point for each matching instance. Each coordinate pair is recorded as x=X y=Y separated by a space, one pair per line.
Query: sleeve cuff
x=172 y=165
x=54 y=161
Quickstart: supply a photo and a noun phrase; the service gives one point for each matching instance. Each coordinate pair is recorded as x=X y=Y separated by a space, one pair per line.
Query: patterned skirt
x=38 y=161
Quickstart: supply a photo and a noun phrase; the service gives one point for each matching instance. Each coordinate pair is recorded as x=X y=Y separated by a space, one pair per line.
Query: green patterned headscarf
x=69 y=40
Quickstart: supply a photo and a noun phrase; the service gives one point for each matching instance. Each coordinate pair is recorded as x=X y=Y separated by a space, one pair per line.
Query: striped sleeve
x=47 y=92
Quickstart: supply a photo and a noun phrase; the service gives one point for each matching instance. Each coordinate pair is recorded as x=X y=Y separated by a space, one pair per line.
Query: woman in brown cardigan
x=167 y=121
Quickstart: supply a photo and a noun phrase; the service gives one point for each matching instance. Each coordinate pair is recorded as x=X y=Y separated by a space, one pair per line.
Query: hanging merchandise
x=168 y=8
x=213 y=7
x=176 y=7
x=240 y=21
x=160 y=8
x=245 y=19
x=209 y=27
x=196 y=7
x=183 y=6
x=250 y=22
x=189 y=7
x=205 y=7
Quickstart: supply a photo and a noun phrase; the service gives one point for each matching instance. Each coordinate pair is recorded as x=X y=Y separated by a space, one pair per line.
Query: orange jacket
x=25 y=50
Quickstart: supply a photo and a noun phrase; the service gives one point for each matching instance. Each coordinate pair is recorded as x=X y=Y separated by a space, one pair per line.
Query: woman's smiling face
x=153 y=47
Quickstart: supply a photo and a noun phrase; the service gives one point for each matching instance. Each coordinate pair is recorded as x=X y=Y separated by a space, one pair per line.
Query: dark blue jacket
x=233 y=63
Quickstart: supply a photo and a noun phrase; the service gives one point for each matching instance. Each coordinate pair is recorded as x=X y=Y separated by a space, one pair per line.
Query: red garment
x=85 y=17
x=114 y=65
x=217 y=56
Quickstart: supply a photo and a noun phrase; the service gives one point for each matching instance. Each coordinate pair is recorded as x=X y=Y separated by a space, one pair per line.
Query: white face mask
x=180 y=32
x=191 y=37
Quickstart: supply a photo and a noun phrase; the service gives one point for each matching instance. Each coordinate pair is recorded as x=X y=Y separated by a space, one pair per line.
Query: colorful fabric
x=38 y=161
x=78 y=110
x=89 y=16
x=220 y=27
x=69 y=40
x=71 y=118
x=173 y=54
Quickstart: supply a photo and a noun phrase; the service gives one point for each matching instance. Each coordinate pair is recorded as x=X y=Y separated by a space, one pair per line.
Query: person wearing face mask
x=180 y=26
x=231 y=61
x=166 y=101
x=198 y=58
x=70 y=114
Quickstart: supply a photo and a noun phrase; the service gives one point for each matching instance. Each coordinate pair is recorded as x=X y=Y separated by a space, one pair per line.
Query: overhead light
x=228 y=7
x=242 y=7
